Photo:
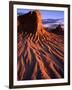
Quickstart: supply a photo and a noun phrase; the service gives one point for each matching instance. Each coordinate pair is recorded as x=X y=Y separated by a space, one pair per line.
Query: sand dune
x=40 y=54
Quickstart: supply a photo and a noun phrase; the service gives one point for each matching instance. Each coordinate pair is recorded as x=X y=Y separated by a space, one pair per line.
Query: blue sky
x=46 y=14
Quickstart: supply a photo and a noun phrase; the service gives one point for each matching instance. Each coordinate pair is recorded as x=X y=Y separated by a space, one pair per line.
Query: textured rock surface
x=40 y=53
x=30 y=22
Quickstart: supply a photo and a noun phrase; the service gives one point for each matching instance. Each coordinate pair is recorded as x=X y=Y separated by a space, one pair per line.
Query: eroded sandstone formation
x=30 y=22
x=40 y=53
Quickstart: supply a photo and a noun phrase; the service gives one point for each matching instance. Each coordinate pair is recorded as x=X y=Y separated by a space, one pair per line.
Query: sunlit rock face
x=30 y=22
x=40 y=54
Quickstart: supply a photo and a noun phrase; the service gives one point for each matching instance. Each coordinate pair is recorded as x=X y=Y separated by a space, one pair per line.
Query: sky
x=46 y=14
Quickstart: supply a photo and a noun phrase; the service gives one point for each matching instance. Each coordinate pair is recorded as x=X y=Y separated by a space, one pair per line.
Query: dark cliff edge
x=27 y=22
